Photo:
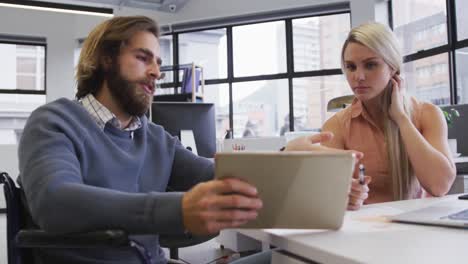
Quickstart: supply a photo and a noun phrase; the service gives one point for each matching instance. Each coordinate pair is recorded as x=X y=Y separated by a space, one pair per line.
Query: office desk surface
x=367 y=237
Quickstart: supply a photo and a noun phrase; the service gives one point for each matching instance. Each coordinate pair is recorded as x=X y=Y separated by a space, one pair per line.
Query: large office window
x=318 y=41
x=265 y=75
x=461 y=52
x=462 y=19
x=259 y=49
x=433 y=35
x=420 y=24
x=166 y=53
x=428 y=79
x=22 y=85
x=206 y=48
x=260 y=108
x=22 y=67
x=311 y=96
x=317 y=47
x=219 y=95
x=462 y=75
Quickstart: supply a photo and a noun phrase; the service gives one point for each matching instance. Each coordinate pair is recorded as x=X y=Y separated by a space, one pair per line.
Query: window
x=166 y=49
x=461 y=54
x=311 y=96
x=219 y=95
x=248 y=78
x=462 y=20
x=427 y=79
x=462 y=75
x=22 y=86
x=259 y=49
x=318 y=41
x=29 y=67
x=22 y=68
x=207 y=49
x=317 y=47
x=429 y=49
x=260 y=108
x=420 y=24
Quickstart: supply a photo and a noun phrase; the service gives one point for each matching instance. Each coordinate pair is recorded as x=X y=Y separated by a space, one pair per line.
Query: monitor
x=197 y=117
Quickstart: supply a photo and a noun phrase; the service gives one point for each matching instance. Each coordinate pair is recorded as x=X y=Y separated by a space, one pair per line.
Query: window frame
x=289 y=75
x=453 y=44
x=26 y=41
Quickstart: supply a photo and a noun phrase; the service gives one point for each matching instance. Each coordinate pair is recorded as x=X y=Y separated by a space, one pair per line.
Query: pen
x=362 y=172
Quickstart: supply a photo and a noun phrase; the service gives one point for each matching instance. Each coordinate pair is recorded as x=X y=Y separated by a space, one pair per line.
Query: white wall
x=208 y=9
x=362 y=11
x=196 y=10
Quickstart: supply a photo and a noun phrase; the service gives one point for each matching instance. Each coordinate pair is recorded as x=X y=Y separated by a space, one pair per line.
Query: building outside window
x=422 y=27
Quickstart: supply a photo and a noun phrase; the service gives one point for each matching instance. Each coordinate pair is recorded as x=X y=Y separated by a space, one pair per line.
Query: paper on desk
x=372 y=218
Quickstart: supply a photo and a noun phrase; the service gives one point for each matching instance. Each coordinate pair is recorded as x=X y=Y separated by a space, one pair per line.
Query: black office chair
x=21 y=240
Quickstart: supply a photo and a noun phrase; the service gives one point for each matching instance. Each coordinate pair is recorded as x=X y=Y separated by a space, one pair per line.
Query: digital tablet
x=299 y=190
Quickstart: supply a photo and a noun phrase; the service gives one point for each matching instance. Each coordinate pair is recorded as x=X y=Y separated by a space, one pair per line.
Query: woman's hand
x=310 y=143
x=358 y=193
x=397 y=110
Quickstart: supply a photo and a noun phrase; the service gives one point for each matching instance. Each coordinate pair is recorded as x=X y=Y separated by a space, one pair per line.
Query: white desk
x=367 y=237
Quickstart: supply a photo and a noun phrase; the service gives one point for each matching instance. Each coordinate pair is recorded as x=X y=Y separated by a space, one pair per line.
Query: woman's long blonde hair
x=381 y=40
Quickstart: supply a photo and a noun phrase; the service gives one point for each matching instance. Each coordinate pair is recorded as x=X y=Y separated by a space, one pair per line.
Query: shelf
x=193 y=83
x=185 y=97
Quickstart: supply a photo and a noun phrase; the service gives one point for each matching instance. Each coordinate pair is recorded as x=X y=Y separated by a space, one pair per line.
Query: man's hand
x=309 y=143
x=212 y=206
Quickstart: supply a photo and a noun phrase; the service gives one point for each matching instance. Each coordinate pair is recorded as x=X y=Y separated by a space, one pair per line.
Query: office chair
x=21 y=239
x=338 y=103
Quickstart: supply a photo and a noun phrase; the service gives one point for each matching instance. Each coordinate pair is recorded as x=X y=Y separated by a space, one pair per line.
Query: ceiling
x=171 y=6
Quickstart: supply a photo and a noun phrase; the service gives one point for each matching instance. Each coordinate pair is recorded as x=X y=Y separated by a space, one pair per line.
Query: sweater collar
x=102 y=115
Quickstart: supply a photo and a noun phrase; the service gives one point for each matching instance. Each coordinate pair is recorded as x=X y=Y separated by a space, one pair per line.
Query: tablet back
x=301 y=190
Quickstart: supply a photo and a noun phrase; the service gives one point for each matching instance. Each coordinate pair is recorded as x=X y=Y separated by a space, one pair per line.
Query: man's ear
x=106 y=63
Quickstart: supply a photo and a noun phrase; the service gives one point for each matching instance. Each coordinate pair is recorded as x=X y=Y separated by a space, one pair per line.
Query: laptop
x=446 y=213
x=299 y=190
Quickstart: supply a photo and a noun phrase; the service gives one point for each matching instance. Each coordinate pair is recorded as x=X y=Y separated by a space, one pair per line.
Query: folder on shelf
x=187 y=81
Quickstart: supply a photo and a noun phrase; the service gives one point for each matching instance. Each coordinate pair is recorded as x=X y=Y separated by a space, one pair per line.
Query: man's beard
x=129 y=95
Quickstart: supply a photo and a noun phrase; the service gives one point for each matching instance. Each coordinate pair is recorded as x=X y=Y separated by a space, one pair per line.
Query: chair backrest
x=15 y=220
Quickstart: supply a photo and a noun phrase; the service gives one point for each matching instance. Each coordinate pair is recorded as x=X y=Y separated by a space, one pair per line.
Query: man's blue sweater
x=78 y=177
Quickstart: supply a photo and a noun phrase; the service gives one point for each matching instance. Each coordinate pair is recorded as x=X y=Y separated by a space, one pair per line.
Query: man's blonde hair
x=104 y=43
x=381 y=40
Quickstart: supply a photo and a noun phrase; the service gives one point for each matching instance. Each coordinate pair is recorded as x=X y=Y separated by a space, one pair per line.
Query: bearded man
x=97 y=163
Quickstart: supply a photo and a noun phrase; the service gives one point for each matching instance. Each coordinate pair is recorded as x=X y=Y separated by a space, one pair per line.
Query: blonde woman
x=404 y=141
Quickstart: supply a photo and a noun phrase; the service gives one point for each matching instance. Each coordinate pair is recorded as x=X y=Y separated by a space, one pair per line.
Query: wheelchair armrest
x=35 y=238
x=182 y=240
